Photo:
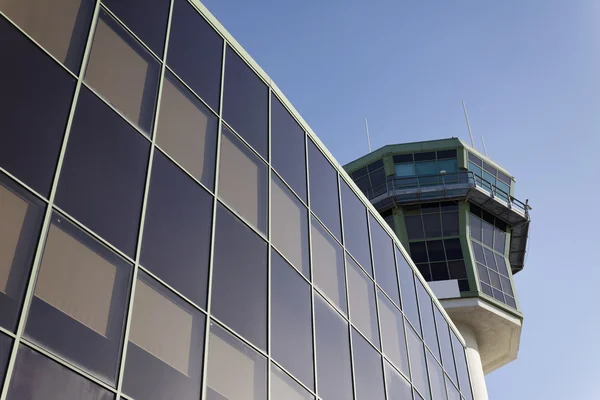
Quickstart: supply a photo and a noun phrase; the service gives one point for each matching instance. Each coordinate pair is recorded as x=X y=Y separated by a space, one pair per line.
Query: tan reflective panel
x=242 y=181
x=12 y=214
x=161 y=327
x=187 y=130
x=328 y=265
x=284 y=387
x=76 y=280
x=290 y=226
x=51 y=23
x=120 y=73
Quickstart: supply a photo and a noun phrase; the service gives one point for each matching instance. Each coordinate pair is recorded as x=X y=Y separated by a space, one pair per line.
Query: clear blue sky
x=529 y=72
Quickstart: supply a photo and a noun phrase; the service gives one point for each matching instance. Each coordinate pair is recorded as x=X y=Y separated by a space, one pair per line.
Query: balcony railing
x=446 y=183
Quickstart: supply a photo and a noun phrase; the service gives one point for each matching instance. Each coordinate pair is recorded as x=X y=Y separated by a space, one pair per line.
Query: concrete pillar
x=474 y=361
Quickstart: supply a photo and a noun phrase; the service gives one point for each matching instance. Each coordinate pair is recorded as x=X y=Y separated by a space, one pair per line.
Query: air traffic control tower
x=455 y=210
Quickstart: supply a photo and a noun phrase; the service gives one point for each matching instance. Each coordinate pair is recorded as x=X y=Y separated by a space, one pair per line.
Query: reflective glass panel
x=453 y=249
x=291 y=321
x=166 y=342
x=452 y=391
x=187 y=130
x=436 y=377
x=29 y=146
x=21 y=214
x=356 y=231
x=427 y=319
x=328 y=265
x=475 y=223
x=122 y=71
x=461 y=367
x=178 y=222
x=5 y=349
x=392 y=333
x=408 y=291
x=285 y=388
x=104 y=173
x=499 y=240
x=239 y=280
x=59 y=27
x=368 y=371
x=80 y=299
x=433 y=225
x=488 y=234
x=418 y=252
x=418 y=367
x=363 y=310
x=195 y=52
x=383 y=258
x=398 y=387
x=450 y=224
x=333 y=353
x=246 y=103
x=288 y=147
x=235 y=371
x=289 y=225
x=243 y=181
x=324 y=200
x=414 y=227
x=445 y=344
x=37 y=377
x=150 y=25
x=501 y=262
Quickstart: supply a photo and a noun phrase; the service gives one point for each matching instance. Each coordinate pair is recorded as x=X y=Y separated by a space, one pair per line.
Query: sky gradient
x=529 y=74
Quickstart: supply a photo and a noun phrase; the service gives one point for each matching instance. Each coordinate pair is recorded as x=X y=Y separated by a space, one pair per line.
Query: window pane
x=445 y=344
x=187 y=130
x=21 y=214
x=367 y=370
x=178 y=222
x=418 y=252
x=105 y=159
x=408 y=291
x=450 y=224
x=457 y=269
x=398 y=388
x=453 y=249
x=435 y=250
x=324 y=200
x=426 y=168
x=195 y=52
x=378 y=179
x=291 y=321
x=166 y=341
x=488 y=234
x=433 y=225
x=495 y=280
x=414 y=227
x=235 y=371
x=450 y=166
x=123 y=72
x=417 y=363
x=333 y=353
x=478 y=250
x=328 y=265
x=402 y=158
x=239 y=281
x=383 y=258
x=246 y=103
x=461 y=367
x=439 y=271
x=150 y=25
x=501 y=262
x=475 y=227
x=80 y=299
x=490 y=259
x=36 y=377
x=29 y=147
x=427 y=320
x=284 y=387
x=61 y=28
x=243 y=181
x=5 y=349
x=289 y=224
x=499 y=241
x=436 y=377
x=405 y=169
x=452 y=391
x=363 y=310
x=483 y=274
x=287 y=147
x=356 y=231
x=392 y=334
x=429 y=155
x=442 y=154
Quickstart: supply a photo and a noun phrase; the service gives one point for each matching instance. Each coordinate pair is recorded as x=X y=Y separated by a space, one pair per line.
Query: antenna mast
x=484 y=149
x=468 y=125
x=368 y=136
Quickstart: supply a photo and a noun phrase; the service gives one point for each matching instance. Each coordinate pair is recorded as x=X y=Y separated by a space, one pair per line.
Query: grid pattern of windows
x=434 y=243
x=369 y=177
x=144 y=265
x=426 y=163
x=491 y=176
x=488 y=240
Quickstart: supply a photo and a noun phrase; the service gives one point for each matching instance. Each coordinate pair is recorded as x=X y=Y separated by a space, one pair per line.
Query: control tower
x=455 y=210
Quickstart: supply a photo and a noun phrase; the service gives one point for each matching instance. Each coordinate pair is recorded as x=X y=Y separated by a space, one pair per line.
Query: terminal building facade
x=171 y=228
x=455 y=211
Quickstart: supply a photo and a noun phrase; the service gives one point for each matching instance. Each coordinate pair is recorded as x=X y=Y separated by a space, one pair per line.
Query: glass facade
x=158 y=242
x=490 y=178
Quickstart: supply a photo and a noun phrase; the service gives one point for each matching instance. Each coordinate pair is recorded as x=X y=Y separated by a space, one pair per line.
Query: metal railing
x=465 y=180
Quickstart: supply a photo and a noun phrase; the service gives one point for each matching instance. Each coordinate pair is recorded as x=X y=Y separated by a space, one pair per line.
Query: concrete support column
x=474 y=361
